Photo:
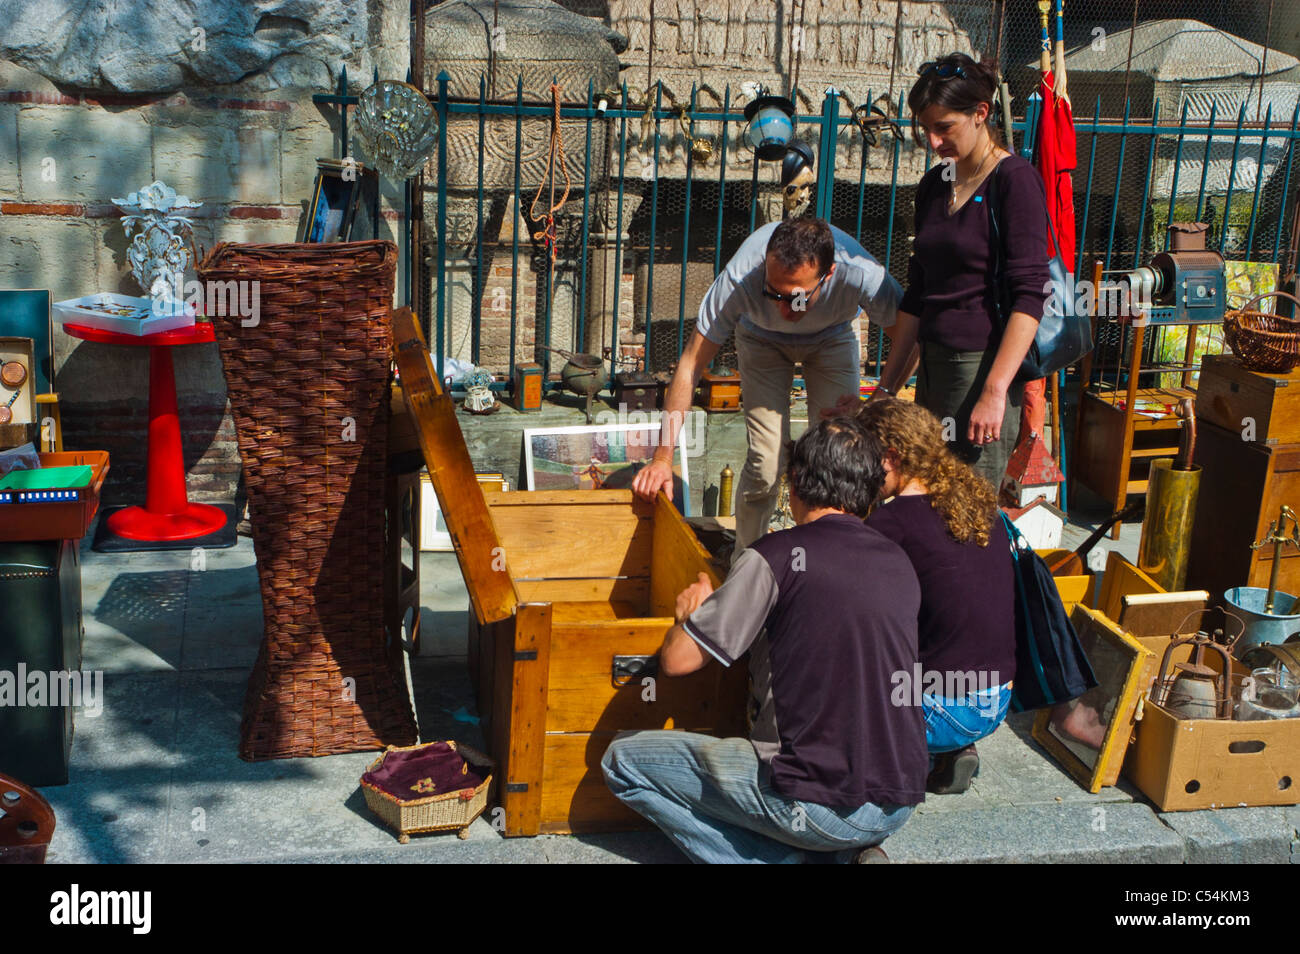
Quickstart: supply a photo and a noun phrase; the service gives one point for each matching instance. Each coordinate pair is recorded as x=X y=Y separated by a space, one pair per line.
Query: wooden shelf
x=1154 y=452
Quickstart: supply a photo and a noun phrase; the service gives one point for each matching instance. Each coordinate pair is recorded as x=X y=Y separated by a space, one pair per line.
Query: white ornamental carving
x=162 y=239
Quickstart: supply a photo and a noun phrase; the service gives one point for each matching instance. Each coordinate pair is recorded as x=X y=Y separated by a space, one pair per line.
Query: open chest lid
x=451 y=471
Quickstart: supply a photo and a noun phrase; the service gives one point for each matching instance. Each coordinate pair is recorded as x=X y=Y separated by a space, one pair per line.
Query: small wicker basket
x=448 y=811
x=1262 y=340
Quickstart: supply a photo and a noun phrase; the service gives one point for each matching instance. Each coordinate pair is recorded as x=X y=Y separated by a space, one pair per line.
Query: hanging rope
x=802 y=39
x=893 y=59
x=556 y=149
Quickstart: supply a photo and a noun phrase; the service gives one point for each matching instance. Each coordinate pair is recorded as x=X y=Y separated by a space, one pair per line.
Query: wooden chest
x=571 y=595
x=1243 y=485
x=1260 y=408
x=720 y=392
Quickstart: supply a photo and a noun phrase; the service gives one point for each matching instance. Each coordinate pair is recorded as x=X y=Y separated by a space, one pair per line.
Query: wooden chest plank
x=491 y=593
x=1264 y=408
x=632 y=592
x=582 y=695
x=563 y=539
x=678 y=558
x=575 y=797
x=524 y=764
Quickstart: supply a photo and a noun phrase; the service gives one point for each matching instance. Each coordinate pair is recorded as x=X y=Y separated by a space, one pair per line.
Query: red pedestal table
x=167 y=514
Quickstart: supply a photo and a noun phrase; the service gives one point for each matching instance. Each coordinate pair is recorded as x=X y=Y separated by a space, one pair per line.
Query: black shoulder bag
x=1051 y=666
x=1063 y=336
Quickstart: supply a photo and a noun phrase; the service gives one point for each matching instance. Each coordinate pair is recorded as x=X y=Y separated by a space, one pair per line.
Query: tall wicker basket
x=308 y=381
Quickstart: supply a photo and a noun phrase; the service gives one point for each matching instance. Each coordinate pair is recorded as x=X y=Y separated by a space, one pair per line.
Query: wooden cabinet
x=1243 y=484
x=571 y=594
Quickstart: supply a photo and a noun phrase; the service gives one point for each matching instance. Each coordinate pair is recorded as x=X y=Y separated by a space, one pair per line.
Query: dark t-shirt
x=950 y=285
x=967 y=620
x=828 y=610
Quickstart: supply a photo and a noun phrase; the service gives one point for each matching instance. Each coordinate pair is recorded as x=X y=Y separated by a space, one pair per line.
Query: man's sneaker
x=875 y=855
x=953 y=771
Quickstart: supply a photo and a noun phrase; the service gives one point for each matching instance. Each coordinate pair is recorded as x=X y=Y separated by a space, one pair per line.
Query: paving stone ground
x=156 y=776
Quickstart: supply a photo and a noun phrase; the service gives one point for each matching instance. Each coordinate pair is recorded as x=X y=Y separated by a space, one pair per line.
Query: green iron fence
x=646 y=212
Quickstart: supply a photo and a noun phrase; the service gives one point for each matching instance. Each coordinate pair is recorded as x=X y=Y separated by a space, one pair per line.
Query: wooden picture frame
x=334 y=200
x=1119 y=662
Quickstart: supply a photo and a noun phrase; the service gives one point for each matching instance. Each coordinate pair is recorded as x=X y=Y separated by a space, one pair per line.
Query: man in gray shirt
x=792 y=294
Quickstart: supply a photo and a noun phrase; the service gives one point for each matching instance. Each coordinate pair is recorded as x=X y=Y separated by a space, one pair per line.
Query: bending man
x=792 y=293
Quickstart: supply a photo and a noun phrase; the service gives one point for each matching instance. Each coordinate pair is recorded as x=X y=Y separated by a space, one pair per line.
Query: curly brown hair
x=965 y=500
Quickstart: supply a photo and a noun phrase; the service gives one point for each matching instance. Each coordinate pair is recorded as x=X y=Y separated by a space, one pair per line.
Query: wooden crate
x=1263 y=408
x=1243 y=485
x=561 y=583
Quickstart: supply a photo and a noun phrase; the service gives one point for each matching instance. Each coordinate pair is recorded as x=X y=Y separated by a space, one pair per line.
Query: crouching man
x=827 y=610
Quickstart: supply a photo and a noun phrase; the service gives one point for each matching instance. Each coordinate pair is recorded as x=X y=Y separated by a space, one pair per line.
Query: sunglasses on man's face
x=944 y=70
x=794 y=296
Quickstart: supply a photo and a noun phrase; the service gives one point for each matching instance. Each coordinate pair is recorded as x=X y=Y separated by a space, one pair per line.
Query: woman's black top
x=950 y=282
x=967 y=620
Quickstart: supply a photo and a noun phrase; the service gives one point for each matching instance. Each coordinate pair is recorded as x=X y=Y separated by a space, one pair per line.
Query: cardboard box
x=1187 y=764
x=1190 y=764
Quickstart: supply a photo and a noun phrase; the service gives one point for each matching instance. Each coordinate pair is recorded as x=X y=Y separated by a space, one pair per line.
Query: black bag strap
x=994 y=199
x=996 y=251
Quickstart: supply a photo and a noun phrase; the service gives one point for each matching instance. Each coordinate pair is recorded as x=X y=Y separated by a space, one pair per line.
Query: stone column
x=605 y=298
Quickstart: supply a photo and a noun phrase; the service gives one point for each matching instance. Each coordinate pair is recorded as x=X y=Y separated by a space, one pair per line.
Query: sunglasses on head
x=791 y=298
x=944 y=70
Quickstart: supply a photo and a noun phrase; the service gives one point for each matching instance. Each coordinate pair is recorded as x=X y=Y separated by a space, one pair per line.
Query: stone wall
x=246 y=149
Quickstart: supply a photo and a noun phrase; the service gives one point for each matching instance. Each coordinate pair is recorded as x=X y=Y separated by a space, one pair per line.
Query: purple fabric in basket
x=438 y=762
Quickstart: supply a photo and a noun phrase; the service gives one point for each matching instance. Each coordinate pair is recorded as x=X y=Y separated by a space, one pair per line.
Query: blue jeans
x=952 y=724
x=708 y=797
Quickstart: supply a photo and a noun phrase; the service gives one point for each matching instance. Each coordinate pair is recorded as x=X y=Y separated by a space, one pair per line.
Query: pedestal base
x=196 y=520
x=108 y=539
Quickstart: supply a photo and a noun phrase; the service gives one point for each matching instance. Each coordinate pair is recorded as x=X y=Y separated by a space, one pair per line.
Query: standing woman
x=968 y=362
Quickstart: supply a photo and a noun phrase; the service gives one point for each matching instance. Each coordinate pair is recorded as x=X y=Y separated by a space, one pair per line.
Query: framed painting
x=334 y=200
x=598 y=457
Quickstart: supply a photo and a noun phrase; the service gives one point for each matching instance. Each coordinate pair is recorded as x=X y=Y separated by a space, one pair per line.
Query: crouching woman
x=945 y=518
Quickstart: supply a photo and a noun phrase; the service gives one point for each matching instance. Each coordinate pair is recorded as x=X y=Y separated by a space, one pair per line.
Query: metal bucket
x=1261 y=628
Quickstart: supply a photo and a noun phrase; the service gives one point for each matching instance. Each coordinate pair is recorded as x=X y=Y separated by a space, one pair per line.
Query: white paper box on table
x=145 y=315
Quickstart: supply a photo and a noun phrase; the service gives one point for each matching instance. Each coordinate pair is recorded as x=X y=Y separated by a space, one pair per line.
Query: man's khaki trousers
x=830 y=370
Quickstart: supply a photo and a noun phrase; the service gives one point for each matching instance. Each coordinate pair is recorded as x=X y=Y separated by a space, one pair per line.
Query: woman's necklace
x=975 y=177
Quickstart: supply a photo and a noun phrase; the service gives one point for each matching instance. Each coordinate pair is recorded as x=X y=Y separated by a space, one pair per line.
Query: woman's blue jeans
x=952 y=724
x=708 y=797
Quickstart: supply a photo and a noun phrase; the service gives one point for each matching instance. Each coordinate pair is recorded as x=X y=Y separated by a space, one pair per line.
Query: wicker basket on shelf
x=1262 y=340
x=451 y=810
x=308 y=383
